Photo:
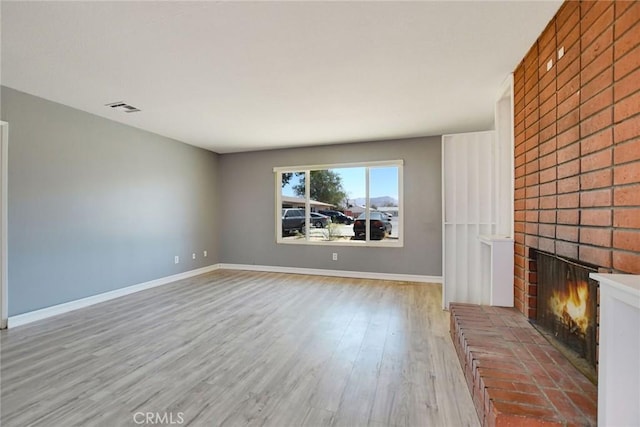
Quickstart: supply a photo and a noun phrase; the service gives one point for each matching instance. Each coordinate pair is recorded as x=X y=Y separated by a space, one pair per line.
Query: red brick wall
x=577 y=143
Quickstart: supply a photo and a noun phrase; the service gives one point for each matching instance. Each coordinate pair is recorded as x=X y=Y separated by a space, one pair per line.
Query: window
x=348 y=204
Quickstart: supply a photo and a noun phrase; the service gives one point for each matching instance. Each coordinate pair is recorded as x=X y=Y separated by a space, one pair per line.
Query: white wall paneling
x=477 y=200
x=469 y=210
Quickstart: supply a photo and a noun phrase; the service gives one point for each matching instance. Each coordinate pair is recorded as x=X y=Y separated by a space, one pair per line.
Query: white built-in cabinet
x=477 y=211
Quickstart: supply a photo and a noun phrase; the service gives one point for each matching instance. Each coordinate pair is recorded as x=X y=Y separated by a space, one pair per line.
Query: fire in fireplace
x=567 y=304
x=570 y=307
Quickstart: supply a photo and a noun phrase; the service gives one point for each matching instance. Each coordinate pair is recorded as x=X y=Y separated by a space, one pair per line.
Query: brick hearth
x=515 y=377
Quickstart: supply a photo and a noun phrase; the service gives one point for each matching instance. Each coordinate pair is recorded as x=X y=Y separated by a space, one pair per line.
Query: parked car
x=319 y=220
x=379 y=225
x=292 y=220
x=338 y=217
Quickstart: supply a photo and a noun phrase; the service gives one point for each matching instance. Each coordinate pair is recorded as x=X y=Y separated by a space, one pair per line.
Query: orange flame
x=572 y=306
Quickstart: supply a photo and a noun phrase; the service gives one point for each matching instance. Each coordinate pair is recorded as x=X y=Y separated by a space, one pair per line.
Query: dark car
x=379 y=225
x=292 y=220
x=338 y=217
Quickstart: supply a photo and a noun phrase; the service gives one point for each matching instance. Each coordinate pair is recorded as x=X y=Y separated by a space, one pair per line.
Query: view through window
x=357 y=204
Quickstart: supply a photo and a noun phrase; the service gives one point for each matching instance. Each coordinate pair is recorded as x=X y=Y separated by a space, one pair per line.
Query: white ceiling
x=238 y=76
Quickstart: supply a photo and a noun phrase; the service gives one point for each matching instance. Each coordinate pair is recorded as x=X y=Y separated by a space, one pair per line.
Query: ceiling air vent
x=121 y=106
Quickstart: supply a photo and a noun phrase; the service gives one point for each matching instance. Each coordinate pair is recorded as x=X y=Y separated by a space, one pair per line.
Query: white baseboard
x=334 y=273
x=32 y=316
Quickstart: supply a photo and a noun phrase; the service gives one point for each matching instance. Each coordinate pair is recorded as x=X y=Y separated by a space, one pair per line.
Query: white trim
x=506 y=87
x=307 y=205
x=32 y=316
x=4 y=303
x=386 y=243
x=334 y=273
x=507 y=92
x=512 y=148
x=444 y=223
x=381 y=163
x=401 y=223
x=367 y=206
x=278 y=210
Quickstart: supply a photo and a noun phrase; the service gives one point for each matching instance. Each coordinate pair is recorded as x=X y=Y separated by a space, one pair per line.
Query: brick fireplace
x=577 y=144
x=576 y=210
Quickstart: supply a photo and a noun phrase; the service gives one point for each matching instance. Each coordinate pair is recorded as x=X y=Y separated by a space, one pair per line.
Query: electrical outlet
x=176 y=259
x=334 y=256
x=204 y=254
x=193 y=256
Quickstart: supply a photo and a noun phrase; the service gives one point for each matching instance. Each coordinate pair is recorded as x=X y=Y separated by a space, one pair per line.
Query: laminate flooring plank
x=448 y=384
x=335 y=378
x=358 y=396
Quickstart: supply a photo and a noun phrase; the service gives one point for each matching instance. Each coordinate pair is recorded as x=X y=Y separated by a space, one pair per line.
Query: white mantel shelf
x=618 y=374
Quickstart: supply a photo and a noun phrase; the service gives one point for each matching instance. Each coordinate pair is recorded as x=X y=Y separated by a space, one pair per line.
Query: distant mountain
x=378 y=201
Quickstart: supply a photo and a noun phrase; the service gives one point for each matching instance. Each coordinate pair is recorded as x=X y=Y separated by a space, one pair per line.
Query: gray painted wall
x=95 y=205
x=248 y=190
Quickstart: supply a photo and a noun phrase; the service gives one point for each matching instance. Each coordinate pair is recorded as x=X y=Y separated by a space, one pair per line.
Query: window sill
x=349 y=243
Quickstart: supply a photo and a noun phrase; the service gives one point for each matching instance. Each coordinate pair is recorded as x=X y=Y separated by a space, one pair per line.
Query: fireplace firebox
x=567 y=307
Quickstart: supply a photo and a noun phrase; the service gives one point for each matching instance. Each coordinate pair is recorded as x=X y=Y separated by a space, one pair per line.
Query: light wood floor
x=242 y=348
